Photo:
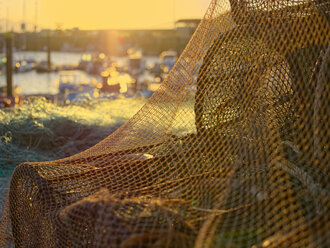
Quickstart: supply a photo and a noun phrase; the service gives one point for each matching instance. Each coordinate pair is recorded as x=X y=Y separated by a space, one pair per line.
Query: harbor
x=69 y=65
x=78 y=76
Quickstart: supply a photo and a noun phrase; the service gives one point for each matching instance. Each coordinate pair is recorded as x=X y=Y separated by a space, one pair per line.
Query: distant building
x=112 y=42
x=186 y=27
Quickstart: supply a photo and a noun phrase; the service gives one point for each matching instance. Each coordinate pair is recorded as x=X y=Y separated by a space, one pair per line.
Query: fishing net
x=231 y=151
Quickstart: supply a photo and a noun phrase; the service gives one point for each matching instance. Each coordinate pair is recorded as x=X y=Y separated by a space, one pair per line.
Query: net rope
x=231 y=151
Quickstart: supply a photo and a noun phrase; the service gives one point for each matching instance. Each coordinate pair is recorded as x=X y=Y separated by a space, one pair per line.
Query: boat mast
x=23 y=25
x=36 y=16
x=173 y=14
x=1 y=27
x=23 y=28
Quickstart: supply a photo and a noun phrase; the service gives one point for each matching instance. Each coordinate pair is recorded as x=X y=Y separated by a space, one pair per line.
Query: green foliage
x=40 y=131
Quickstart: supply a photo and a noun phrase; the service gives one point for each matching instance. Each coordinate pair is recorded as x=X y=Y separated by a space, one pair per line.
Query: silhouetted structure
x=9 y=64
x=111 y=42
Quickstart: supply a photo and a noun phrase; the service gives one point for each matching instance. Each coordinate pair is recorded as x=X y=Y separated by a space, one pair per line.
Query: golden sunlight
x=104 y=14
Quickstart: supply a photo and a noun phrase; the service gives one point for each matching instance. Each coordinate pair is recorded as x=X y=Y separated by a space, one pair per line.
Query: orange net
x=231 y=151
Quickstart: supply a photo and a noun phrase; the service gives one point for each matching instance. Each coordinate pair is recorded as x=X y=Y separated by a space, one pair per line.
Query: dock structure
x=49 y=62
x=9 y=63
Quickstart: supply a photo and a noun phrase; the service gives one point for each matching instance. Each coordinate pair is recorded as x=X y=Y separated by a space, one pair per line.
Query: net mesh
x=231 y=151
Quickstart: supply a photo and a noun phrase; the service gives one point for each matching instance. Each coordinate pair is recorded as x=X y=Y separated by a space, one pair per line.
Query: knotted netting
x=231 y=151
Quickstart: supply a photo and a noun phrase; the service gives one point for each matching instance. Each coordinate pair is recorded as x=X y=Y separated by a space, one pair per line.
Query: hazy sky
x=102 y=14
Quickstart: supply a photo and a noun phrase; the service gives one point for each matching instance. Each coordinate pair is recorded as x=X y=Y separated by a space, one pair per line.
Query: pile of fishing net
x=230 y=151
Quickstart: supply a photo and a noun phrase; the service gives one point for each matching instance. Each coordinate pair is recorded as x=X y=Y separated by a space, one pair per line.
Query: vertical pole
x=36 y=17
x=9 y=64
x=7 y=20
x=48 y=52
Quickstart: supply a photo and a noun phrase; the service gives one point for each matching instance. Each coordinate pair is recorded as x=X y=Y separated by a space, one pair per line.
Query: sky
x=102 y=14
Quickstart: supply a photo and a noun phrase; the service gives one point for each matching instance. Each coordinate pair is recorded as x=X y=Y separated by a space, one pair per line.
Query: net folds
x=231 y=151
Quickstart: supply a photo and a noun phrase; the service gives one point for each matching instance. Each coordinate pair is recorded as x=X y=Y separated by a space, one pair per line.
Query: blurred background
x=67 y=51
